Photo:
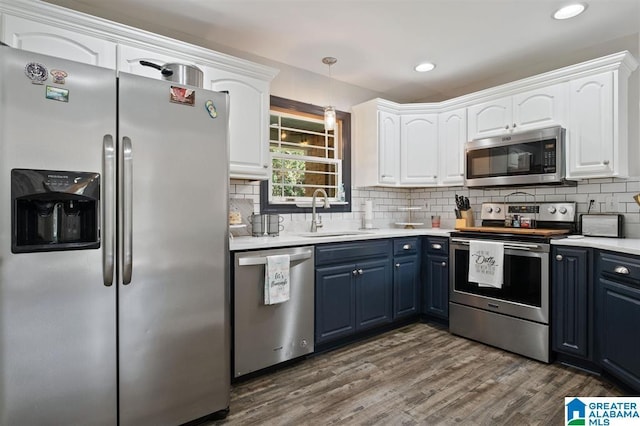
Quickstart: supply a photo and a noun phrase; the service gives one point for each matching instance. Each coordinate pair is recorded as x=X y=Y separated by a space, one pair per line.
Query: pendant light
x=329 y=111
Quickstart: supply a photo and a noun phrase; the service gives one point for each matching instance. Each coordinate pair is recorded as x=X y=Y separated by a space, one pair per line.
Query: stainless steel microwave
x=534 y=157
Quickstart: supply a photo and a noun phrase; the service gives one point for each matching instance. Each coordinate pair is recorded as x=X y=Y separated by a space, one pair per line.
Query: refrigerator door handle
x=127 y=211
x=108 y=208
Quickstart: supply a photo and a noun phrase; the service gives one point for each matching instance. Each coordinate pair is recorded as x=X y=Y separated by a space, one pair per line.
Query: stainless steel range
x=515 y=314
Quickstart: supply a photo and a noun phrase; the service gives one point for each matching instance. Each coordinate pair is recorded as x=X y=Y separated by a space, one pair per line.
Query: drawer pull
x=444 y=263
x=621 y=270
x=406 y=247
x=559 y=257
x=397 y=265
x=436 y=246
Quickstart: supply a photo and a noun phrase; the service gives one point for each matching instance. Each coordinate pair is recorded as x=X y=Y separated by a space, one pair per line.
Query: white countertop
x=295 y=239
x=622 y=245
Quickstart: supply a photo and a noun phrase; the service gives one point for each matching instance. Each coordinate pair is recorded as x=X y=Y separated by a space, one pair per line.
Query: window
x=304 y=157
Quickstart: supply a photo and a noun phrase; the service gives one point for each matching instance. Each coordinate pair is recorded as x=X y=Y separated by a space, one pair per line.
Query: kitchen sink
x=333 y=233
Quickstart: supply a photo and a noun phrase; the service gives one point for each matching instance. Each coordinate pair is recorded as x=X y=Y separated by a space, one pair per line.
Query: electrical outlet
x=610 y=204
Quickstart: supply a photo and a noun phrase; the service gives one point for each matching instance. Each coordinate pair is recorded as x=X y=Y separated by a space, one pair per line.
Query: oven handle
x=509 y=245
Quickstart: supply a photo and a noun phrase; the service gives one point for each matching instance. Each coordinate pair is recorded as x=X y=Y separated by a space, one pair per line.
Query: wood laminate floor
x=416 y=375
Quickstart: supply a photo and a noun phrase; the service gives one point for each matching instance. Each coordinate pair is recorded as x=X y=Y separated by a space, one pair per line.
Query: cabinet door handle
x=444 y=263
x=558 y=257
x=354 y=272
x=514 y=125
x=397 y=265
x=360 y=272
x=406 y=247
x=605 y=162
x=506 y=127
x=436 y=246
x=621 y=270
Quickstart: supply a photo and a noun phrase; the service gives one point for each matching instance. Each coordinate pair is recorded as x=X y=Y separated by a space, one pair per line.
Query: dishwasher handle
x=262 y=260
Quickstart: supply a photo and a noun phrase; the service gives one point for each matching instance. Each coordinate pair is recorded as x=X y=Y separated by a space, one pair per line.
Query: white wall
x=304 y=86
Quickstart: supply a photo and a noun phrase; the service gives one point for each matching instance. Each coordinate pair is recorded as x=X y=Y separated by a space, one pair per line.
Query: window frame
x=304 y=108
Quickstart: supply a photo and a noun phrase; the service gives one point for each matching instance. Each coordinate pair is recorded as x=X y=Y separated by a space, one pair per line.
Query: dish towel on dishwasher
x=276 y=279
x=486 y=260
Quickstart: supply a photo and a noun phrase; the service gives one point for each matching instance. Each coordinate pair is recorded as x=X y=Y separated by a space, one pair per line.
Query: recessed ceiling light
x=569 y=11
x=424 y=67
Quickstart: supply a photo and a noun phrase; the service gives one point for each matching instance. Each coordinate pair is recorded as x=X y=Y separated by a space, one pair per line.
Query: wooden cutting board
x=519 y=231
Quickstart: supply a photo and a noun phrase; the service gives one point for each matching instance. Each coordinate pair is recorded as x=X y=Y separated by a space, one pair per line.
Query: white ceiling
x=474 y=43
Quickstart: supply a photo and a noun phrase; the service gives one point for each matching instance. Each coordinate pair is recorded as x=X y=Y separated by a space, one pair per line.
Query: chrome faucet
x=316 y=221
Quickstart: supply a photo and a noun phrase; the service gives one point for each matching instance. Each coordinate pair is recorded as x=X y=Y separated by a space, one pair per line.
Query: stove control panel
x=546 y=212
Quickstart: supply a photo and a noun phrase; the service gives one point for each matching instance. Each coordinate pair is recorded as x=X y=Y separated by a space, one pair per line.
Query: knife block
x=466 y=220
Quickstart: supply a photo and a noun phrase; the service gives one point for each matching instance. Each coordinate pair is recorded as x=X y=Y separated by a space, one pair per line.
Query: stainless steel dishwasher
x=266 y=335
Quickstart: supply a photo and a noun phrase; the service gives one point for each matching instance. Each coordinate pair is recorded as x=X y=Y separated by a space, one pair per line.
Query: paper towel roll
x=368 y=214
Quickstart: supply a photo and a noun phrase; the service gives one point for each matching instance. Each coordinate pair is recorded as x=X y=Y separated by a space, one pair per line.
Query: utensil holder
x=466 y=219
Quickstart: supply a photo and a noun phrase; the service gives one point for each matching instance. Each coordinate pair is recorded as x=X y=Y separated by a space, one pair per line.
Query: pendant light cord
x=329 y=60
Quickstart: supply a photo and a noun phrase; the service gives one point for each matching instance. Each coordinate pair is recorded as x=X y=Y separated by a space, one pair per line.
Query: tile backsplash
x=609 y=195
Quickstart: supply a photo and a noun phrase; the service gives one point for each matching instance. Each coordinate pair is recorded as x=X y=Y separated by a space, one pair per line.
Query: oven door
x=525 y=292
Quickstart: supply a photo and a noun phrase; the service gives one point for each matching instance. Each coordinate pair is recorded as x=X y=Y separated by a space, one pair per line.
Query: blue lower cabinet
x=406 y=286
x=617 y=317
x=335 y=302
x=571 y=302
x=436 y=288
x=354 y=288
x=435 y=277
x=373 y=294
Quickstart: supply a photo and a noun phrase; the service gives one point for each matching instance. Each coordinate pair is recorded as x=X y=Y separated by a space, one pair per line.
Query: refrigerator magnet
x=36 y=72
x=211 y=109
x=182 y=95
x=58 y=76
x=57 y=94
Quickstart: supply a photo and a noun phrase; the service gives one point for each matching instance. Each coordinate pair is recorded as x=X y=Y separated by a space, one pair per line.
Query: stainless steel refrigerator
x=114 y=282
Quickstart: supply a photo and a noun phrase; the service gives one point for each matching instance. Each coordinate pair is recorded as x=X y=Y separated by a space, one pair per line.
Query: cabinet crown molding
x=119 y=33
x=624 y=61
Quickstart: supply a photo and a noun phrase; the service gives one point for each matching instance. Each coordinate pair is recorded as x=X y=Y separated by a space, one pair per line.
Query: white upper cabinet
x=532 y=109
x=44 y=28
x=490 y=118
x=598 y=124
x=539 y=108
x=248 y=122
x=60 y=42
x=418 y=149
x=593 y=148
x=376 y=144
x=591 y=136
x=389 y=148
x=402 y=145
x=394 y=148
x=452 y=135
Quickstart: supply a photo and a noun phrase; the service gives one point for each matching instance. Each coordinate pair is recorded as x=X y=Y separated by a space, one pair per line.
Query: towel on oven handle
x=486 y=260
